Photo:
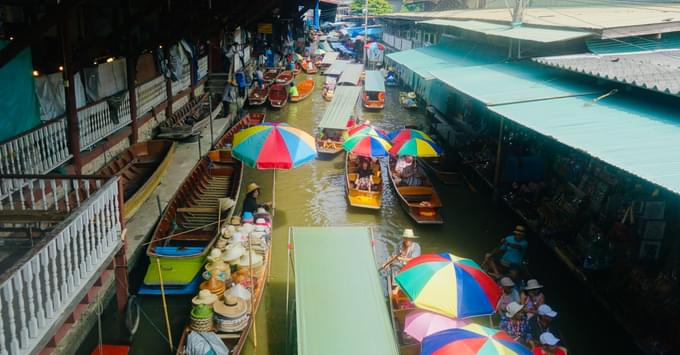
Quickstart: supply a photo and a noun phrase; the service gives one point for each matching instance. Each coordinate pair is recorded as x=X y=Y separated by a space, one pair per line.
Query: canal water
x=314 y=195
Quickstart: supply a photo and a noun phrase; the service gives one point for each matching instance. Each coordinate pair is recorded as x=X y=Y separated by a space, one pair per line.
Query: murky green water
x=314 y=195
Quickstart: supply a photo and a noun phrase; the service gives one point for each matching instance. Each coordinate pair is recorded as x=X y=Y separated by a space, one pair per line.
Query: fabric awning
x=624 y=131
x=351 y=75
x=534 y=34
x=341 y=107
x=336 y=68
x=340 y=304
x=374 y=81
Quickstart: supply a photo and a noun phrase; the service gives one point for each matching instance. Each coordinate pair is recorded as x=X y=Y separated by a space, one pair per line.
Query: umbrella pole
x=274 y=194
x=252 y=291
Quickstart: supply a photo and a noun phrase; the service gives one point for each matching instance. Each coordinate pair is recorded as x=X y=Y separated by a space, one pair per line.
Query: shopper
x=544 y=321
x=509 y=295
x=515 y=323
x=548 y=345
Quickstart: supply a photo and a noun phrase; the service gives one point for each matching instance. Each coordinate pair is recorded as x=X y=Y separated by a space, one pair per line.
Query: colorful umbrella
x=407 y=133
x=416 y=147
x=297 y=57
x=273 y=146
x=374 y=45
x=367 y=130
x=449 y=285
x=367 y=145
x=420 y=324
x=472 y=339
x=356 y=128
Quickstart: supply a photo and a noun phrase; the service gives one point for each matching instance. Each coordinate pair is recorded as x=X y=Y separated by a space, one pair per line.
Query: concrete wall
x=146 y=130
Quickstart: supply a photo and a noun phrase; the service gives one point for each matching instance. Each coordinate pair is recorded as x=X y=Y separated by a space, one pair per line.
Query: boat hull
x=362 y=198
x=421 y=202
x=305 y=89
x=258 y=97
x=284 y=78
x=278 y=96
x=250 y=119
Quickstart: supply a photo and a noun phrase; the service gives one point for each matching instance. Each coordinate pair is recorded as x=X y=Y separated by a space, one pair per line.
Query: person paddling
x=250 y=201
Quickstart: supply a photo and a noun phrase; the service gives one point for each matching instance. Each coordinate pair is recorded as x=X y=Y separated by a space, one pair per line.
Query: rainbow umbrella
x=449 y=285
x=374 y=46
x=367 y=145
x=368 y=130
x=420 y=324
x=273 y=145
x=407 y=133
x=472 y=339
x=417 y=147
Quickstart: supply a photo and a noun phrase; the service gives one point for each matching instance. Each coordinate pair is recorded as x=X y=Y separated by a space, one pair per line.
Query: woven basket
x=201 y=324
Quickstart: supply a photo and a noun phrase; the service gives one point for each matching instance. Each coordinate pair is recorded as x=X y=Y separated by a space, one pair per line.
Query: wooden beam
x=73 y=129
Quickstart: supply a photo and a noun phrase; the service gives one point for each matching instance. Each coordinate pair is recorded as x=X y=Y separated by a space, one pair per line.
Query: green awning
x=499 y=84
x=351 y=75
x=525 y=33
x=341 y=107
x=336 y=68
x=374 y=81
x=340 y=305
x=628 y=132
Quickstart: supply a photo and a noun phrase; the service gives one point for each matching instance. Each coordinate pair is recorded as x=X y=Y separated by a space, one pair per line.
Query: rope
x=153 y=325
x=184 y=232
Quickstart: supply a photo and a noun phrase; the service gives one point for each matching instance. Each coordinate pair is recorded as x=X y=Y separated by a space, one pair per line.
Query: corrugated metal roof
x=336 y=68
x=535 y=34
x=443 y=55
x=500 y=84
x=624 y=131
x=341 y=107
x=658 y=71
x=633 y=44
x=329 y=57
x=374 y=81
x=351 y=75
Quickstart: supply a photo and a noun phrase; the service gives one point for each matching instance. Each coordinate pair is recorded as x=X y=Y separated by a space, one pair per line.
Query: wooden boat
x=250 y=119
x=187 y=229
x=442 y=169
x=328 y=88
x=188 y=121
x=278 y=95
x=305 y=89
x=362 y=198
x=421 y=202
x=296 y=71
x=329 y=146
x=236 y=341
x=258 y=96
x=284 y=77
x=140 y=168
x=400 y=307
x=408 y=100
x=309 y=67
x=374 y=90
x=270 y=76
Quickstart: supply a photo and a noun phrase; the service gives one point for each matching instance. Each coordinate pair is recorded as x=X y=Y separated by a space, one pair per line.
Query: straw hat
x=215 y=262
x=411 y=95
x=204 y=297
x=233 y=252
x=235 y=221
x=261 y=210
x=255 y=260
x=215 y=286
x=221 y=244
x=239 y=291
x=512 y=309
x=201 y=318
x=232 y=307
x=247 y=228
x=507 y=282
x=226 y=203
x=252 y=187
x=408 y=234
x=533 y=285
x=238 y=237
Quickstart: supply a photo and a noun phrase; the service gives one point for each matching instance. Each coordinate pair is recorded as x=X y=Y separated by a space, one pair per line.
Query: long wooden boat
x=236 y=341
x=187 y=230
x=421 y=202
x=270 y=76
x=278 y=95
x=374 y=90
x=258 y=96
x=188 y=121
x=250 y=119
x=329 y=88
x=284 y=77
x=372 y=198
x=443 y=170
x=309 y=67
x=408 y=100
x=140 y=167
x=305 y=89
x=296 y=71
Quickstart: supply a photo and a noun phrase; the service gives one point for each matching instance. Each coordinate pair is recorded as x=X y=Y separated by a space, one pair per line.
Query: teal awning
x=336 y=68
x=525 y=33
x=341 y=107
x=374 y=81
x=340 y=305
x=630 y=133
x=499 y=84
x=351 y=75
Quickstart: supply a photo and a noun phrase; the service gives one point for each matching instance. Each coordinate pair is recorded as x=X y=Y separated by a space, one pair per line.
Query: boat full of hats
x=234 y=277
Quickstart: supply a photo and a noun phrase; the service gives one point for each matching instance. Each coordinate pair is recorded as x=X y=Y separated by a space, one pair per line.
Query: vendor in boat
x=293 y=91
x=408 y=249
x=250 y=201
x=364 y=175
x=406 y=171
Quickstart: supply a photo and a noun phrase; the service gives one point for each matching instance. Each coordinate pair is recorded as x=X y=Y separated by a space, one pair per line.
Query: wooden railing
x=96 y=121
x=44 y=286
x=150 y=94
x=202 y=68
x=183 y=82
x=37 y=151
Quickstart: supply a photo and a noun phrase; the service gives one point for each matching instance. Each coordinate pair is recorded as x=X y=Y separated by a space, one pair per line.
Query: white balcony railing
x=202 y=68
x=183 y=82
x=399 y=43
x=97 y=121
x=37 y=151
x=44 y=286
x=150 y=94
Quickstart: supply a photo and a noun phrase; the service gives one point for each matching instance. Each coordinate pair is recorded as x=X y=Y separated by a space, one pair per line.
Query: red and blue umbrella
x=406 y=134
x=472 y=339
x=367 y=130
x=367 y=145
x=374 y=46
x=449 y=285
x=417 y=147
x=273 y=145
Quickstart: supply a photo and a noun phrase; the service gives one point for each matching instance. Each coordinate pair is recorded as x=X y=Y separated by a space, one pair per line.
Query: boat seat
x=352 y=176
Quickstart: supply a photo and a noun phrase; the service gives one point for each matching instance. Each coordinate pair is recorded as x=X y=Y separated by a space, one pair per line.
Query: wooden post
x=131 y=64
x=73 y=131
x=168 y=84
x=497 y=170
x=193 y=75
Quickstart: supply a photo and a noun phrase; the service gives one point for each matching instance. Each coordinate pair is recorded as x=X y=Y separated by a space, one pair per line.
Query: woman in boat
x=364 y=175
x=407 y=171
x=250 y=201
